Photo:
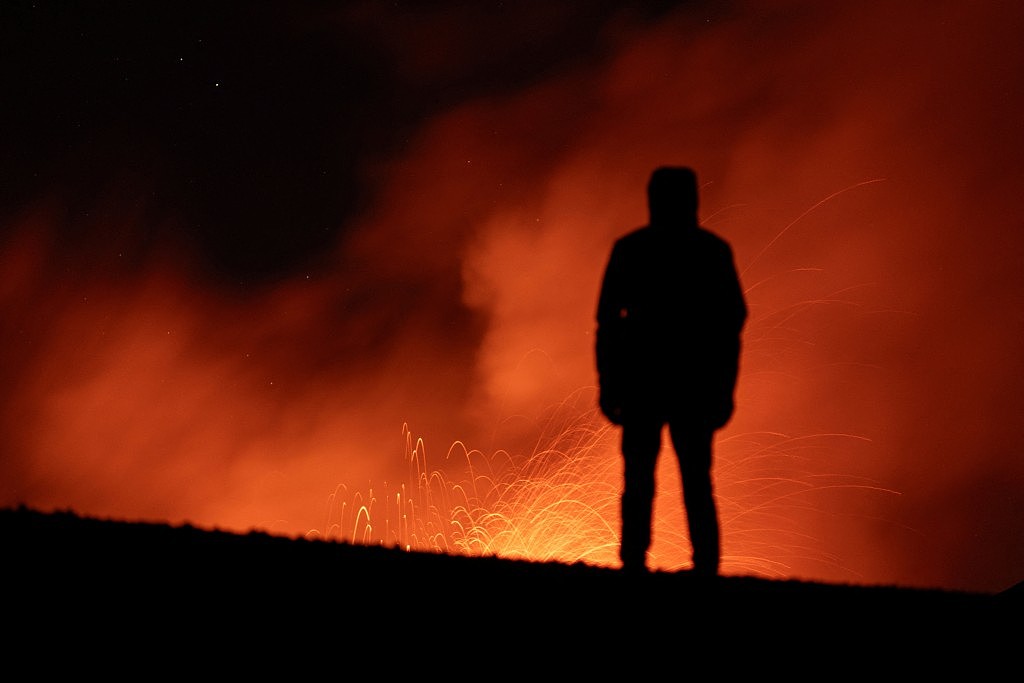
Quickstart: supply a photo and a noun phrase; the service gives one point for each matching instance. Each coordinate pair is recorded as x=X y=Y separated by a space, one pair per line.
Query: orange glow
x=863 y=163
x=561 y=503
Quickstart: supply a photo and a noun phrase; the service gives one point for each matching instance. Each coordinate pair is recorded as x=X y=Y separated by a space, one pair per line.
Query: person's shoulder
x=648 y=238
x=634 y=234
x=712 y=239
x=634 y=237
x=709 y=235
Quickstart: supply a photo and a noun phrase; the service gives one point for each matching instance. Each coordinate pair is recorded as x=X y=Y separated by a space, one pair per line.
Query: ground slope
x=158 y=588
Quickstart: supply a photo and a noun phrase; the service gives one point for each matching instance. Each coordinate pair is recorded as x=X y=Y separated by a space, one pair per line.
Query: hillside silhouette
x=109 y=580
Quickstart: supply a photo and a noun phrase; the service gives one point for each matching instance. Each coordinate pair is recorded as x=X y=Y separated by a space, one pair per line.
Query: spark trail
x=560 y=500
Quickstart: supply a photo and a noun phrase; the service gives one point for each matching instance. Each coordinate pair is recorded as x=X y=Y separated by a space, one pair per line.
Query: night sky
x=244 y=246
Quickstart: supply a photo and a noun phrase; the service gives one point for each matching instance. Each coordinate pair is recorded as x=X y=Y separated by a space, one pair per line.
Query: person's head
x=672 y=196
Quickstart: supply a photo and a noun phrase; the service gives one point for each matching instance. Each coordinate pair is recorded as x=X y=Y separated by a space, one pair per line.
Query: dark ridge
x=77 y=574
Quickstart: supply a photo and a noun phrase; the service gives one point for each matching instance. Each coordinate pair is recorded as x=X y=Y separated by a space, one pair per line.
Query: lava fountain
x=559 y=500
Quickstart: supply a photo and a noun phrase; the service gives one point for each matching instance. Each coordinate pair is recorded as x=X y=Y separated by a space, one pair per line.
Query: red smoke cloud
x=863 y=163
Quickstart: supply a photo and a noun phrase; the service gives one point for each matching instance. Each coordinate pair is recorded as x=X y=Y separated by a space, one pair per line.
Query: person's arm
x=608 y=338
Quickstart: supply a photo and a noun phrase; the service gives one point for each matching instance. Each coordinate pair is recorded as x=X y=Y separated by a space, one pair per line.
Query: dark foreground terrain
x=161 y=595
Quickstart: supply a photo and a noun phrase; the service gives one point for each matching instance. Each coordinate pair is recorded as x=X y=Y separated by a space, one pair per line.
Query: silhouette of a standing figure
x=669 y=321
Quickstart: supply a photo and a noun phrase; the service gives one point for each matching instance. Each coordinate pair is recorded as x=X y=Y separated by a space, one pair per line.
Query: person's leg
x=641 y=441
x=693 y=449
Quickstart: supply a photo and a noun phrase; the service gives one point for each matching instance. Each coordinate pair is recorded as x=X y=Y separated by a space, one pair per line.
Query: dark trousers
x=641 y=442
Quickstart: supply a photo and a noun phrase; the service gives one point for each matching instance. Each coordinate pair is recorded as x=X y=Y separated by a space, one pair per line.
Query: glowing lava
x=561 y=503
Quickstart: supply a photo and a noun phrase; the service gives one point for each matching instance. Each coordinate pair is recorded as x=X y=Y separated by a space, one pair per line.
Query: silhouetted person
x=669 y=319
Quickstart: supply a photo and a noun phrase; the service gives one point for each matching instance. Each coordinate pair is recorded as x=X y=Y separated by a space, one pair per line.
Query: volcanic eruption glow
x=559 y=501
x=195 y=328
